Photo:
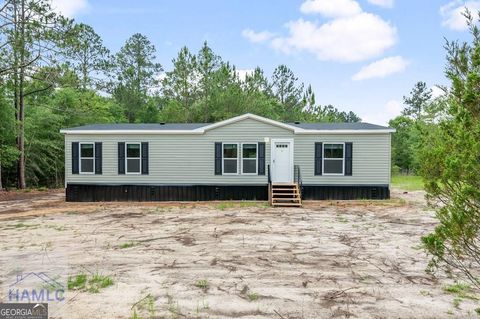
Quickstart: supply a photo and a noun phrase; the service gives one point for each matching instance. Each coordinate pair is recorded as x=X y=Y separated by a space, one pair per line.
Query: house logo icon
x=35 y=287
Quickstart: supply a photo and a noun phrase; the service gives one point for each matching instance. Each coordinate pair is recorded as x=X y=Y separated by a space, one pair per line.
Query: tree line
x=55 y=73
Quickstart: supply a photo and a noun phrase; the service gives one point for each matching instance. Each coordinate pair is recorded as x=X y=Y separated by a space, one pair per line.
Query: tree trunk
x=21 y=104
x=1 y=184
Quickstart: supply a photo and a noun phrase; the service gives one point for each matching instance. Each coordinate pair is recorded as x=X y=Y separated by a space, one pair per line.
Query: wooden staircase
x=285 y=195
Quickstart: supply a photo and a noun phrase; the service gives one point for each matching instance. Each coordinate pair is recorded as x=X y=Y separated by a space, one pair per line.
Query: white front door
x=282 y=160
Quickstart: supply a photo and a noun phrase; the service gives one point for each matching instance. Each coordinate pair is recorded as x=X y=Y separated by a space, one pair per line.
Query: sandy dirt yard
x=359 y=259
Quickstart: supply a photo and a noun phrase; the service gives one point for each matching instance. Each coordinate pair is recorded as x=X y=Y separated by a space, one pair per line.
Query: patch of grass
x=42 y=189
x=407 y=182
x=148 y=304
x=226 y=205
x=77 y=282
x=461 y=290
x=202 y=284
x=93 y=284
x=253 y=296
x=477 y=310
x=456 y=302
x=242 y=204
x=342 y=219
x=22 y=225
x=128 y=245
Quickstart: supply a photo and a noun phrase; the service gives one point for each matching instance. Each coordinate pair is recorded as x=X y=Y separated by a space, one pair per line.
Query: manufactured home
x=247 y=157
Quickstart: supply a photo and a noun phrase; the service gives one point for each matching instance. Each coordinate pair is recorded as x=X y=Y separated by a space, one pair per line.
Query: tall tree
x=136 y=75
x=451 y=166
x=418 y=101
x=207 y=64
x=87 y=55
x=30 y=30
x=181 y=84
x=288 y=92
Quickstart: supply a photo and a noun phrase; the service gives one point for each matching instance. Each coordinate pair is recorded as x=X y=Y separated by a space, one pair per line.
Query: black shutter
x=145 y=158
x=318 y=158
x=218 y=158
x=75 y=158
x=98 y=158
x=121 y=157
x=261 y=158
x=348 y=158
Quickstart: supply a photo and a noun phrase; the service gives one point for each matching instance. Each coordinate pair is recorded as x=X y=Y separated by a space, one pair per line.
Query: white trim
x=203 y=129
x=328 y=132
x=272 y=152
x=139 y=158
x=248 y=116
x=80 y=158
x=223 y=159
x=251 y=159
x=333 y=159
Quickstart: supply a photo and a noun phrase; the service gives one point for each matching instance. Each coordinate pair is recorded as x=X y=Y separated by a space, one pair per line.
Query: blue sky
x=359 y=55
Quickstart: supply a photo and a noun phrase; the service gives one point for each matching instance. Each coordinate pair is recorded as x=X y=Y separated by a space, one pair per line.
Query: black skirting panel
x=107 y=193
x=326 y=192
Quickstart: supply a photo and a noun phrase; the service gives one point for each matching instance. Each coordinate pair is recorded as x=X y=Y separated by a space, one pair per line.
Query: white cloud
x=392 y=109
x=350 y=39
x=257 y=37
x=329 y=8
x=452 y=14
x=381 y=68
x=70 y=8
x=383 y=3
x=242 y=73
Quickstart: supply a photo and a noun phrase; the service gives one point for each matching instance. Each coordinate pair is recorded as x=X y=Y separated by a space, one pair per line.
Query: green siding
x=189 y=159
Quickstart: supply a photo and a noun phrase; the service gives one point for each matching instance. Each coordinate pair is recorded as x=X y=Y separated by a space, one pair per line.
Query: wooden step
x=288 y=204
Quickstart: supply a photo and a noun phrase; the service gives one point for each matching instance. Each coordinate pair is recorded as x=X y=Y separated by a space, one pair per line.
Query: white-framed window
x=249 y=158
x=333 y=158
x=230 y=158
x=133 y=159
x=87 y=158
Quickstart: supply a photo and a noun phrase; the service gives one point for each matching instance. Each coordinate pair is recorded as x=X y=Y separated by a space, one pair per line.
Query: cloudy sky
x=359 y=55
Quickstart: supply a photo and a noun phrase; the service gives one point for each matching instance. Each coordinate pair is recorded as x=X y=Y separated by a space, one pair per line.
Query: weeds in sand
x=93 y=284
x=342 y=219
x=202 y=284
x=461 y=290
x=173 y=307
x=77 y=282
x=147 y=303
x=477 y=310
x=22 y=225
x=229 y=205
x=56 y=227
x=456 y=302
x=127 y=245
x=203 y=306
x=253 y=296
x=72 y=212
x=426 y=293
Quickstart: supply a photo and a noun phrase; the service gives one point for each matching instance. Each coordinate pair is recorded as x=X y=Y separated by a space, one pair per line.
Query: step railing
x=269 y=185
x=297 y=177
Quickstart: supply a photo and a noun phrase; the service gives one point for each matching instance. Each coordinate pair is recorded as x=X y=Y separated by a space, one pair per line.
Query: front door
x=282 y=161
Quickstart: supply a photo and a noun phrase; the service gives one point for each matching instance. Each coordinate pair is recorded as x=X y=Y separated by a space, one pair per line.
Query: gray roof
x=139 y=127
x=339 y=126
x=192 y=126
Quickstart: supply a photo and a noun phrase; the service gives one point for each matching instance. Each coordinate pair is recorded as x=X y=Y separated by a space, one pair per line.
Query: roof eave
x=130 y=132
x=325 y=132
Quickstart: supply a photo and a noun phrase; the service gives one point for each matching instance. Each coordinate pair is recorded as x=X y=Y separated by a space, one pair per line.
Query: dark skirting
x=107 y=193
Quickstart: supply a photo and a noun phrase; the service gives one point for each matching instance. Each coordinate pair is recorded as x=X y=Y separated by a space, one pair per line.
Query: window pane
x=249 y=151
x=249 y=166
x=87 y=166
x=133 y=165
x=230 y=166
x=333 y=150
x=333 y=166
x=230 y=150
x=86 y=150
x=133 y=150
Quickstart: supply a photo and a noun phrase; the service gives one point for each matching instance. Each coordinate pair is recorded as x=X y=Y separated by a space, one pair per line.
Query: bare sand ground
x=359 y=259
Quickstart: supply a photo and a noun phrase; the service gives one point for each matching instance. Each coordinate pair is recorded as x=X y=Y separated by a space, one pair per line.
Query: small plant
x=77 y=283
x=456 y=302
x=128 y=244
x=477 y=310
x=461 y=290
x=202 y=284
x=93 y=284
x=252 y=296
